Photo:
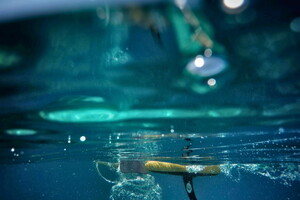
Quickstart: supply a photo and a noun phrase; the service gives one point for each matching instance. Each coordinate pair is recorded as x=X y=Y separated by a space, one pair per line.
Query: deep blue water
x=114 y=83
x=79 y=180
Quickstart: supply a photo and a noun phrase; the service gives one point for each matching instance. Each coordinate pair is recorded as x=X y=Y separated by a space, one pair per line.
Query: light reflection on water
x=78 y=115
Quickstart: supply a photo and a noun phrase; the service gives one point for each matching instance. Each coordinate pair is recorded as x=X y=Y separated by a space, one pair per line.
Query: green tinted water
x=135 y=94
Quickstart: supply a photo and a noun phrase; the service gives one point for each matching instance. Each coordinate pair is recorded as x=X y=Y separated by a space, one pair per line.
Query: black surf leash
x=187 y=178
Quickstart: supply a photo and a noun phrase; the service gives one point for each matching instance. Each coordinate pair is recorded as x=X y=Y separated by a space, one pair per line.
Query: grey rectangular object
x=132 y=166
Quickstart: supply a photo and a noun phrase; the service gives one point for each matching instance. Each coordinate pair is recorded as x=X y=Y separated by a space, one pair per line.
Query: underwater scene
x=152 y=100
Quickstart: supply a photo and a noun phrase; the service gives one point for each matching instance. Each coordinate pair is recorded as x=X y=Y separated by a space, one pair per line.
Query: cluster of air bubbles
x=134 y=187
x=16 y=153
x=148 y=148
x=109 y=139
x=81 y=139
x=69 y=139
x=228 y=170
x=13 y=150
x=195 y=168
x=284 y=173
x=117 y=56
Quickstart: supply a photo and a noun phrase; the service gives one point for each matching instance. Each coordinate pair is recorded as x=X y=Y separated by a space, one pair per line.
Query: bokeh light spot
x=199 y=61
x=233 y=4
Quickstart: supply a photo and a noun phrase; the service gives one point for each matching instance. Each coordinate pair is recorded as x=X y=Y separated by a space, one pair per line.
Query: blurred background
x=149 y=80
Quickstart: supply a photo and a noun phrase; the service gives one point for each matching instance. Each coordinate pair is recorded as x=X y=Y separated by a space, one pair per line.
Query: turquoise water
x=103 y=85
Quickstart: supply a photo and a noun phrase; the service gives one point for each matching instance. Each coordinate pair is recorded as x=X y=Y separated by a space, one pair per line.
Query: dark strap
x=188 y=179
x=189 y=187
